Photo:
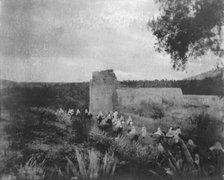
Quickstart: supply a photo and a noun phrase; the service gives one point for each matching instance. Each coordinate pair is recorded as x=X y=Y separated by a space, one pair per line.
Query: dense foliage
x=64 y=145
x=189 y=28
x=47 y=139
x=53 y=95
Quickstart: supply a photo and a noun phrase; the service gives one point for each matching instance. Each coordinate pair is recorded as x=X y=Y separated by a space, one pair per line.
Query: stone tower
x=103 y=94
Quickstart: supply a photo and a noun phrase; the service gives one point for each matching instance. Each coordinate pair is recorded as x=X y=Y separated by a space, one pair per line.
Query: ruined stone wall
x=202 y=100
x=106 y=95
x=103 y=91
x=135 y=96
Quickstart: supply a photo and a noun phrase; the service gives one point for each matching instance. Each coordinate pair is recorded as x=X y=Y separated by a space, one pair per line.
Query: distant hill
x=6 y=83
x=209 y=74
x=53 y=95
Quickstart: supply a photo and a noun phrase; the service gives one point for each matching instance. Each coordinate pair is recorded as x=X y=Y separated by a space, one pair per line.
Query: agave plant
x=187 y=170
x=31 y=170
x=94 y=166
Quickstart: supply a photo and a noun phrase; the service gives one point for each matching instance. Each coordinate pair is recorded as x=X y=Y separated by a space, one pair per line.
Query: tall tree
x=189 y=28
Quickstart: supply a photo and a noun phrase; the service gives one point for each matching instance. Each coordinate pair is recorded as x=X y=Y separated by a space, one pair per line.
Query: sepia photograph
x=112 y=90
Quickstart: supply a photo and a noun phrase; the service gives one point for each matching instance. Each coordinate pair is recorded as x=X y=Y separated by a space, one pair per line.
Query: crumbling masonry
x=106 y=95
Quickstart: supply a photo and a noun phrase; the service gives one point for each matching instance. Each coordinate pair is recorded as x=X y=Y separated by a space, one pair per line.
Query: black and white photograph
x=112 y=90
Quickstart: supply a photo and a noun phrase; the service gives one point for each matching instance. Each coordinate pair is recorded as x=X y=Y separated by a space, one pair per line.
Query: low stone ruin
x=106 y=95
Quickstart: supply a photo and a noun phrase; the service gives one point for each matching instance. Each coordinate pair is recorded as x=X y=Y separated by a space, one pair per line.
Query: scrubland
x=41 y=138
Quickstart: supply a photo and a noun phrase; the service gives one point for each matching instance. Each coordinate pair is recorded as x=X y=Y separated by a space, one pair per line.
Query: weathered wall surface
x=134 y=96
x=201 y=100
x=103 y=91
x=106 y=95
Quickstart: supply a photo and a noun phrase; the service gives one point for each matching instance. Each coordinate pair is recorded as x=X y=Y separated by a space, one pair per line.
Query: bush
x=150 y=109
x=81 y=126
x=157 y=112
x=65 y=117
x=9 y=161
x=209 y=130
x=127 y=150
x=51 y=140
x=44 y=114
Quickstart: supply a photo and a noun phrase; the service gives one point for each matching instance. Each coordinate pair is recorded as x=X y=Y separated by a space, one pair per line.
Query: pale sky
x=66 y=40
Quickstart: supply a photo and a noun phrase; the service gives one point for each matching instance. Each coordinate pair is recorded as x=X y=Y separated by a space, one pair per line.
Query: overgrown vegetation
x=57 y=147
x=150 y=109
x=51 y=142
x=53 y=150
x=52 y=95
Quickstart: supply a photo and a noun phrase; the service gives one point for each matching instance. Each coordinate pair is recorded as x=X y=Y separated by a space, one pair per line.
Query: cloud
x=55 y=40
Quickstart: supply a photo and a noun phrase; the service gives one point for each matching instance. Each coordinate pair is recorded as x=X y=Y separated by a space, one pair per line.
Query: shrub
x=81 y=126
x=157 y=112
x=9 y=161
x=133 y=151
x=208 y=130
x=49 y=141
x=123 y=147
x=151 y=109
x=44 y=114
x=100 y=139
x=65 y=116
